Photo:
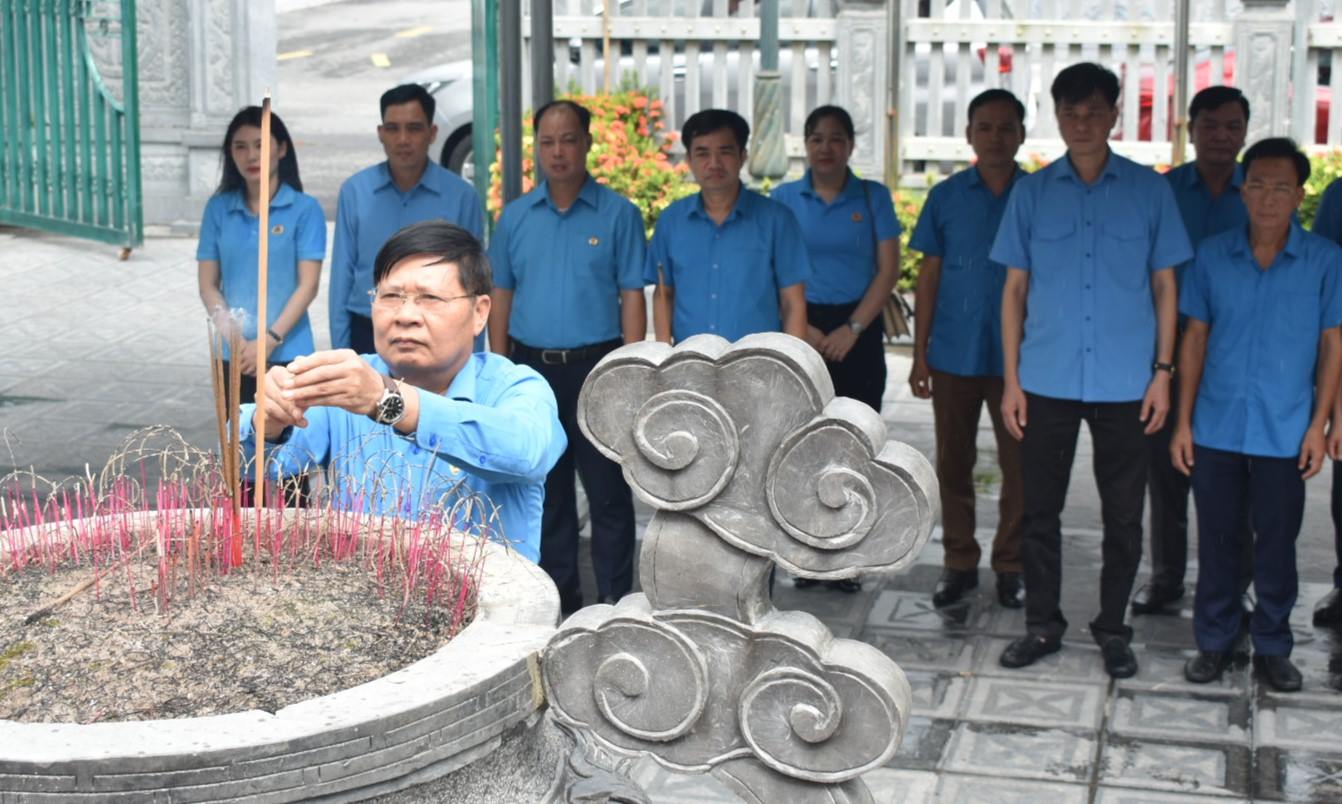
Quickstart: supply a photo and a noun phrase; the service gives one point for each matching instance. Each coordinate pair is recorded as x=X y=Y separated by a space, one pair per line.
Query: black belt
x=562 y=357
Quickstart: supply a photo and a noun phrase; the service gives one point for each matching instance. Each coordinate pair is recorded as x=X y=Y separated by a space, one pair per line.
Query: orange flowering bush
x=631 y=154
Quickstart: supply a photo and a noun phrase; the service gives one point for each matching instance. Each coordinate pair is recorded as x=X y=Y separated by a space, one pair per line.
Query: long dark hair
x=231 y=179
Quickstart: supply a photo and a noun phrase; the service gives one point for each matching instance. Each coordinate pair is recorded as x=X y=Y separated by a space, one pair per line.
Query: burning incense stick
x=262 y=288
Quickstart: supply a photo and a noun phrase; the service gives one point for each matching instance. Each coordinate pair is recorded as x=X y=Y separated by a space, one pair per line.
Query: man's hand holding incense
x=281 y=413
x=338 y=379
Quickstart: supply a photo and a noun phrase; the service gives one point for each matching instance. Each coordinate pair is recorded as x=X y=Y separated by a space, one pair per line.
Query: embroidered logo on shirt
x=857 y=217
x=277 y=229
x=592 y=241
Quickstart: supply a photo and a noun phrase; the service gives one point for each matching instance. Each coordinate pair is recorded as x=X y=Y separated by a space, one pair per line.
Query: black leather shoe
x=1010 y=590
x=1027 y=650
x=805 y=583
x=1206 y=666
x=1119 y=661
x=1328 y=612
x=1157 y=600
x=849 y=586
x=1278 y=672
x=953 y=585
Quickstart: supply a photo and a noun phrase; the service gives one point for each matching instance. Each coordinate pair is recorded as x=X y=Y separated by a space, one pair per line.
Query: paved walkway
x=96 y=348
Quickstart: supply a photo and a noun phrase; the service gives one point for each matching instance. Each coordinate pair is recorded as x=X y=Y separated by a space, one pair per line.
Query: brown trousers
x=956 y=404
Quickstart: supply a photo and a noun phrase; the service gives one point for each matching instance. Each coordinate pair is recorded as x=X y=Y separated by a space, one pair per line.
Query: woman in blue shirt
x=227 y=252
x=852 y=235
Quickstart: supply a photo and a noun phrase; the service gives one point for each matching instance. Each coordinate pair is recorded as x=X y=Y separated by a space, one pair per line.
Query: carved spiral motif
x=842 y=509
x=689 y=448
x=786 y=711
x=656 y=688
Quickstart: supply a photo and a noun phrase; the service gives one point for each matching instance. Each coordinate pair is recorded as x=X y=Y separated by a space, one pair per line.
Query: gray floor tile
x=922 y=651
x=1119 y=795
x=936 y=694
x=1297 y=776
x=924 y=744
x=1017 y=752
x=1309 y=727
x=914 y=611
x=1162 y=668
x=1075 y=662
x=1034 y=703
x=1178 y=716
x=1206 y=769
x=957 y=789
x=895 y=786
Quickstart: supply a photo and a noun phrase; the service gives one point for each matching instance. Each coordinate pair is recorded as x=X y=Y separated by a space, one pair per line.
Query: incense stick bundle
x=262 y=322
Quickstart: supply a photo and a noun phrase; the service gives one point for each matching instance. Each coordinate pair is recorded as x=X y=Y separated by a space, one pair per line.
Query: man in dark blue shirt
x=1090 y=242
x=1207 y=191
x=1259 y=368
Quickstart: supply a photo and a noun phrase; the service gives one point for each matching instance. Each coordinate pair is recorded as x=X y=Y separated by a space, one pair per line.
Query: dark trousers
x=1337 y=522
x=1226 y=487
x=361 y=335
x=610 y=504
x=1120 y=473
x=956 y=405
x=861 y=375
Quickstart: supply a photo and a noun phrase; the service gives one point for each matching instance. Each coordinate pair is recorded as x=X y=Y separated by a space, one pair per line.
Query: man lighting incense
x=425 y=421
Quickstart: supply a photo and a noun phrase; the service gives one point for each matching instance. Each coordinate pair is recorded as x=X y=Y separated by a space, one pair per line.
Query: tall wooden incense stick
x=262 y=291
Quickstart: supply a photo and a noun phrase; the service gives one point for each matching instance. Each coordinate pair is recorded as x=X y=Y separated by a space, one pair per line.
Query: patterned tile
x=1000 y=621
x=979 y=790
x=1075 y=662
x=892 y=786
x=1034 y=703
x=1181 y=717
x=1168 y=631
x=1311 y=728
x=1021 y=752
x=924 y=743
x=1162 y=669
x=921 y=651
x=914 y=611
x=1207 y=769
x=1297 y=776
x=1118 y=795
x=936 y=694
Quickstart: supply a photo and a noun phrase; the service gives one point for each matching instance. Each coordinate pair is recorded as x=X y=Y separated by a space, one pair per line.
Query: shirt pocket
x=1052 y=240
x=1124 y=247
x=1295 y=318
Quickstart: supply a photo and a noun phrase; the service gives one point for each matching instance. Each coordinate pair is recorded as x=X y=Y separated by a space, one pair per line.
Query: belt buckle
x=554 y=357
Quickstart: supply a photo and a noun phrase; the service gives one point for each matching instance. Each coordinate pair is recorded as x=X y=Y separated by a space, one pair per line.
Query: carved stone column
x=751 y=462
x=864 y=53
x=1263 y=35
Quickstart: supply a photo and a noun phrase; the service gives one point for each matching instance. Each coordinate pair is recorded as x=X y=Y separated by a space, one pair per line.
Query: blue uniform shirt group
x=1090 y=331
x=958 y=222
x=229 y=235
x=1257 y=391
x=494 y=433
x=839 y=235
x=1204 y=216
x=566 y=269
x=370 y=210
x=727 y=277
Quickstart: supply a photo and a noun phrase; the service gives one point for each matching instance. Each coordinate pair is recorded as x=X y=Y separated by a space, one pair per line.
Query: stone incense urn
x=752 y=465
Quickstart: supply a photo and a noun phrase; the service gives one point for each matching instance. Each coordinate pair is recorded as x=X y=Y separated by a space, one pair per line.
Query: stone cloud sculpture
x=750 y=461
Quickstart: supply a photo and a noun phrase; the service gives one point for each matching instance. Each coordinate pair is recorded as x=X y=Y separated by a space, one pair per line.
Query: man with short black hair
x=380 y=200
x=957 y=348
x=1088 y=319
x=726 y=260
x=568 y=289
x=423 y=422
x=1259 y=368
x=1207 y=191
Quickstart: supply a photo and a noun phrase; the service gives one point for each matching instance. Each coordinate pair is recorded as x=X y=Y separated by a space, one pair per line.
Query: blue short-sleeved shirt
x=1204 y=216
x=727 y=277
x=958 y=223
x=841 y=237
x=1090 y=321
x=495 y=433
x=1257 y=391
x=1328 y=218
x=566 y=269
x=228 y=235
x=371 y=209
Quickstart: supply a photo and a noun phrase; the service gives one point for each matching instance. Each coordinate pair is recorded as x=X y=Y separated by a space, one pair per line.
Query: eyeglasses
x=429 y=303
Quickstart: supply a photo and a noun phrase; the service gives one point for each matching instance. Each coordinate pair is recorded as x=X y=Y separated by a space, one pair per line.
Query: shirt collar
x=1293 y=246
x=740 y=209
x=975 y=178
x=1112 y=167
x=284 y=197
x=589 y=194
x=852 y=186
x=1192 y=178
x=426 y=179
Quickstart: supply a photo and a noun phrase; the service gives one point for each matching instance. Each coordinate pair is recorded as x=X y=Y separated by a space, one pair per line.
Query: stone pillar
x=1263 y=36
x=864 y=53
x=200 y=61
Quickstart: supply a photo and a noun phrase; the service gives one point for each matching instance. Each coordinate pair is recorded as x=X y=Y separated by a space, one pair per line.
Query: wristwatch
x=856 y=326
x=390 y=408
x=1159 y=366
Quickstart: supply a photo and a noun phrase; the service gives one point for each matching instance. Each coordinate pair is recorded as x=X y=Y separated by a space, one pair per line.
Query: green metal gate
x=69 y=148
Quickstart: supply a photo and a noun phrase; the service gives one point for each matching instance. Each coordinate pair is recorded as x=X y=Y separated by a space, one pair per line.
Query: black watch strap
x=1159 y=366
